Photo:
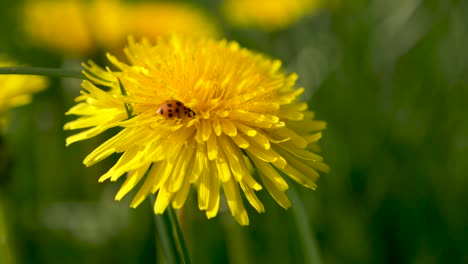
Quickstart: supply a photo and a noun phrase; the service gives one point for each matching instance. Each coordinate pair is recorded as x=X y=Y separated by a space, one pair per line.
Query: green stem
x=170 y=236
x=308 y=244
x=179 y=237
x=42 y=71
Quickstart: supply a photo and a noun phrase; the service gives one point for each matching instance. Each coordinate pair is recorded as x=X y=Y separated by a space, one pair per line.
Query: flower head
x=16 y=90
x=153 y=19
x=59 y=25
x=78 y=27
x=245 y=113
x=268 y=15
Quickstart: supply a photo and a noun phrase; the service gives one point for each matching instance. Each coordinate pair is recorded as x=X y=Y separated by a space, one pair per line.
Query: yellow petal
x=212 y=147
x=206 y=129
x=269 y=172
x=228 y=127
x=204 y=187
x=181 y=196
x=217 y=127
x=198 y=163
x=240 y=141
x=162 y=201
x=222 y=167
x=179 y=172
x=234 y=200
x=213 y=204
x=252 y=197
x=279 y=196
x=261 y=140
x=133 y=178
x=266 y=155
x=246 y=130
x=145 y=189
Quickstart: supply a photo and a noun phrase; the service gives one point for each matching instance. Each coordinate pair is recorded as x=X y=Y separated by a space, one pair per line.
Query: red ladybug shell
x=172 y=109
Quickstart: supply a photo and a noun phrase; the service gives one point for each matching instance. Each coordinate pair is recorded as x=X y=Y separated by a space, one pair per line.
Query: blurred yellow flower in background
x=16 y=90
x=162 y=18
x=229 y=109
x=79 y=27
x=108 y=23
x=268 y=15
x=58 y=25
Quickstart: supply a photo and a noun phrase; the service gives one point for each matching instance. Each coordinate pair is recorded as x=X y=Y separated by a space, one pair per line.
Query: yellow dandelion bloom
x=163 y=18
x=59 y=25
x=17 y=90
x=110 y=24
x=202 y=113
x=268 y=15
x=78 y=27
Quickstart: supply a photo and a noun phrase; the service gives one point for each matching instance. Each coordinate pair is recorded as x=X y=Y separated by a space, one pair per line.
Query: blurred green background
x=389 y=76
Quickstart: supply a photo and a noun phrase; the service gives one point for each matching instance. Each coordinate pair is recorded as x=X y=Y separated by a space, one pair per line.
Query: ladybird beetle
x=174 y=109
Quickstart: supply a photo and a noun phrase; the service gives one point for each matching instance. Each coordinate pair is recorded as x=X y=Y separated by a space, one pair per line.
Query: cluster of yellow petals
x=80 y=27
x=17 y=90
x=268 y=15
x=247 y=115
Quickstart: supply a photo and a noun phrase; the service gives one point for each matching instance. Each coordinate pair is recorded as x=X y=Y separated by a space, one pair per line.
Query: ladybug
x=172 y=109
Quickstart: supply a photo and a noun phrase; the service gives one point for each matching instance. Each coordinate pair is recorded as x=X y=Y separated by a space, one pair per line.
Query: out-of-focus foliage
x=389 y=76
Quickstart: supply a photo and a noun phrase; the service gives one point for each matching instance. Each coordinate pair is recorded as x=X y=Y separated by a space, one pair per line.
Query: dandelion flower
x=110 y=24
x=16 y=90
x=163 y=18
x=59 y=25
x=202 y=112
x=79 y=27
x=266 y=14
x=114 y=20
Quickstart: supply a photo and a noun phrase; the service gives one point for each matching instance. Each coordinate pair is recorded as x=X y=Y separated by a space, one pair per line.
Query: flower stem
x=308 y=244
x=179 y=237
x=170 y=236
x=166 y=238
x=42 y=71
